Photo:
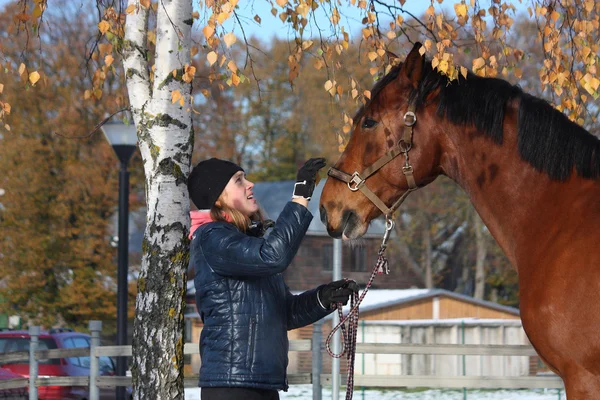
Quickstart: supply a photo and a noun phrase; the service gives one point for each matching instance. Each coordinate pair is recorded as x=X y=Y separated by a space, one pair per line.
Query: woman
x=245 y=305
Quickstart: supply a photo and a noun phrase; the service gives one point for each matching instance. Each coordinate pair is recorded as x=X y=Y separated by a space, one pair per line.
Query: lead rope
x=349 y=333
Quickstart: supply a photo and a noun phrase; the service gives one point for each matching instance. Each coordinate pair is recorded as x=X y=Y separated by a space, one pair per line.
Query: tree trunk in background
x=427 y=256
x=165 y=139
x=480 y=258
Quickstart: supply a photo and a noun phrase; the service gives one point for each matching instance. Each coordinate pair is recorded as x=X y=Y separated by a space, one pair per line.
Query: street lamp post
x=123 y=139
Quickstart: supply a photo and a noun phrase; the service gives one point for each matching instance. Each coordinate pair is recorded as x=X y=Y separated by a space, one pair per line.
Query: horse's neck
x=522 y=207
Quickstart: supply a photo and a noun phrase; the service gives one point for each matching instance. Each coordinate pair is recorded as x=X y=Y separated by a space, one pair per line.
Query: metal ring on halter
x=355 y=180
x=411 y=115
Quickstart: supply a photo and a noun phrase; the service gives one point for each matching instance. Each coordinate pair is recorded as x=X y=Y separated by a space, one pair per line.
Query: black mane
x=547 y=139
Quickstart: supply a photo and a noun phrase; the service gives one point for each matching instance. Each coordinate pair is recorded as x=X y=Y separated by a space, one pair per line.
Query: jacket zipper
x=252 y=334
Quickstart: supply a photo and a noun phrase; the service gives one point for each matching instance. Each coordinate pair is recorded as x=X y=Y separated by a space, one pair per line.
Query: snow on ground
x=304 y=392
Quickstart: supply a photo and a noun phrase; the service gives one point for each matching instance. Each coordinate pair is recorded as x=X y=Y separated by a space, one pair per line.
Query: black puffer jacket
x=246 y=306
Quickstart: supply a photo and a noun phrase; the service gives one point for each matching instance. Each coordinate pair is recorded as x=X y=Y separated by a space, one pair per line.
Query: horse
x=532 y=174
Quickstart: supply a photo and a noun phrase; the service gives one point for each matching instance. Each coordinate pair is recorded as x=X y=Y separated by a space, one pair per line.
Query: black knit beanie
x=208 y=179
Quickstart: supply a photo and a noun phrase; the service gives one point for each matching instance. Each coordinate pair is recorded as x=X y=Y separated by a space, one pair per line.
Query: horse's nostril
x=323 y=213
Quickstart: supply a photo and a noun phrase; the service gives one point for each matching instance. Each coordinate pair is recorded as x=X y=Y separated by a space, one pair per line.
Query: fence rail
x=94 y=381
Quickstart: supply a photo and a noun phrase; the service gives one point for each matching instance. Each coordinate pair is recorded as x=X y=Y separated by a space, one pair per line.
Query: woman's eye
x=369 y=123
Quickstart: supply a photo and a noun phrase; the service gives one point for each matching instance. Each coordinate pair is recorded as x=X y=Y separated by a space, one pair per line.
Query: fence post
x=34 y=334
x=317 y=361
x=95 y=329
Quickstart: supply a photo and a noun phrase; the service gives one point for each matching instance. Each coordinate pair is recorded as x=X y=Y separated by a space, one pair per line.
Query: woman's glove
x=306 y=178
x=336 y=292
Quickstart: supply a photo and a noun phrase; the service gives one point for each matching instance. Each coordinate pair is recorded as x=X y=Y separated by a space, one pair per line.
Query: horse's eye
x=368 y=123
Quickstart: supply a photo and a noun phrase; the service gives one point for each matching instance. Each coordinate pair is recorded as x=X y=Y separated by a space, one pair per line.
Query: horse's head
x=383 y=132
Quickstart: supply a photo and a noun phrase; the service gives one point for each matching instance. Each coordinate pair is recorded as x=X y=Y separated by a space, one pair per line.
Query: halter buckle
x=355 y=180
x=410 y=118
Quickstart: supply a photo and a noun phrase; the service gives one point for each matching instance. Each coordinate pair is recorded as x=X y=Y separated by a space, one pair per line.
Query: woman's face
x=238 y=194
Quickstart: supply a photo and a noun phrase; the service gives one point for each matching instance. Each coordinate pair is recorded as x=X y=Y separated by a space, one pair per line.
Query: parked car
x=13 y=394
x=13 y=341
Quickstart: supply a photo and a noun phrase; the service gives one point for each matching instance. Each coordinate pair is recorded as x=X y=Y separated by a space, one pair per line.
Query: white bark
x=165 y=138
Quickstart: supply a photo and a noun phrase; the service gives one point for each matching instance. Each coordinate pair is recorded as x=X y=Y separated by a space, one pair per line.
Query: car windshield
x=14 y=344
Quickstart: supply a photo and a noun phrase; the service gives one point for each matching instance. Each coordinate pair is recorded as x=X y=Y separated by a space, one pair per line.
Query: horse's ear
x=414 y=64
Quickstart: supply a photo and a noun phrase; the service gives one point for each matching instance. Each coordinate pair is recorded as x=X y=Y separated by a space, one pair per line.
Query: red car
x=20 y=393
x=11 y=341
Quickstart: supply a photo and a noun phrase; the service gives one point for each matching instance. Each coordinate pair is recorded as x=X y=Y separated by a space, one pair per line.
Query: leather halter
x=356 y=181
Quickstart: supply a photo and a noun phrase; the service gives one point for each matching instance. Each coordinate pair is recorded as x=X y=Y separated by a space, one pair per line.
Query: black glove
x=337 y=292
x=307 y=175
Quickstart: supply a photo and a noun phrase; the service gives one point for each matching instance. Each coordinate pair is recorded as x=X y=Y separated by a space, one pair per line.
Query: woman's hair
x=239 y=220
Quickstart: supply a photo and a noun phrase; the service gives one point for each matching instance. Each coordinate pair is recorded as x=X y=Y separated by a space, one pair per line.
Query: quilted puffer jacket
x=244 y=303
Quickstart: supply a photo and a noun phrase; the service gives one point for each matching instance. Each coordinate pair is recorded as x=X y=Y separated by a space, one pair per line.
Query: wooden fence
x=317 y=379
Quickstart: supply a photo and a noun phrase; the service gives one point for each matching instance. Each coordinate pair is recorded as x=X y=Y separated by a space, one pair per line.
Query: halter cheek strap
x=356 y=181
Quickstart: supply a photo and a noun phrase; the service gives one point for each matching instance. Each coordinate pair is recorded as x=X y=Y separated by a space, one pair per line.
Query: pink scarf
x=201 y=217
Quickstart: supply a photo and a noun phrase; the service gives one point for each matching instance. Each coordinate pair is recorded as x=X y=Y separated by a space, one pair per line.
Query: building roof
x=273 y=196
x=381 y=298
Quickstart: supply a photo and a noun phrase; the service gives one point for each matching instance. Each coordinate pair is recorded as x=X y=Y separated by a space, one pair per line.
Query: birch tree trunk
x=481 y=255
x=165 y=139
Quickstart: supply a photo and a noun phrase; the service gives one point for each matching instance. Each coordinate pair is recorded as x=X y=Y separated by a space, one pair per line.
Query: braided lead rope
x=349 y=334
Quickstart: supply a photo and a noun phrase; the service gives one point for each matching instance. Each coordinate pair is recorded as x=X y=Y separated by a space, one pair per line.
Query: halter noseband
x=356 y=181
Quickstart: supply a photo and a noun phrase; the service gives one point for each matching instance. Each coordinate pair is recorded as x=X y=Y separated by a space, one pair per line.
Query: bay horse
x=532 y=175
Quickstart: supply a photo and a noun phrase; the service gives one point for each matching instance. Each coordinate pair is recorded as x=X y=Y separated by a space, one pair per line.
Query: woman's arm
x=232 y=253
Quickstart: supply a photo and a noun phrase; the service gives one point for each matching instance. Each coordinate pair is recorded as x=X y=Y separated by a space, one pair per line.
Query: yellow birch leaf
x=181 y=101
x=460 y=10
x=103 y=27
x=478 y=63
x=22 y=69
x=318 y=64
x=302 y=9
x=193 y=51
x=341 y=148
x=196 y=15
x=366 y=33
x=345 y=129
x=354 y=93
x=130 y=9
x=235 y=79
x=422 y=50
x=373 y=70
x=232 y=67
x=434 y=62
x=145 y=3
x=430 y=11
x=518 y=72
x=257 y=19
x=463 y=71
x=34 y=77
x=443 y=66
x=211 y=57
x=328 y=85
x=108 y=60
x=1 y=87
x=87 y=94
x=175 y=96
x=208 y=31
x=391 y=35
x=367 y=94
x=283 y=16
x=372 y=56
x=340 y=90
x=37 y=11
x=229 y=39
x=307 y=44
x=281 y=3
x=6 y=108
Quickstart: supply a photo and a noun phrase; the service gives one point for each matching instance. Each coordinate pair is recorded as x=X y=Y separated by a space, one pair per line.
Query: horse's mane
x=547 y=139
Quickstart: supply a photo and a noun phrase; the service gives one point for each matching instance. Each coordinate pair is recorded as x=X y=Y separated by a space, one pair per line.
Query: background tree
x=57 y=264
